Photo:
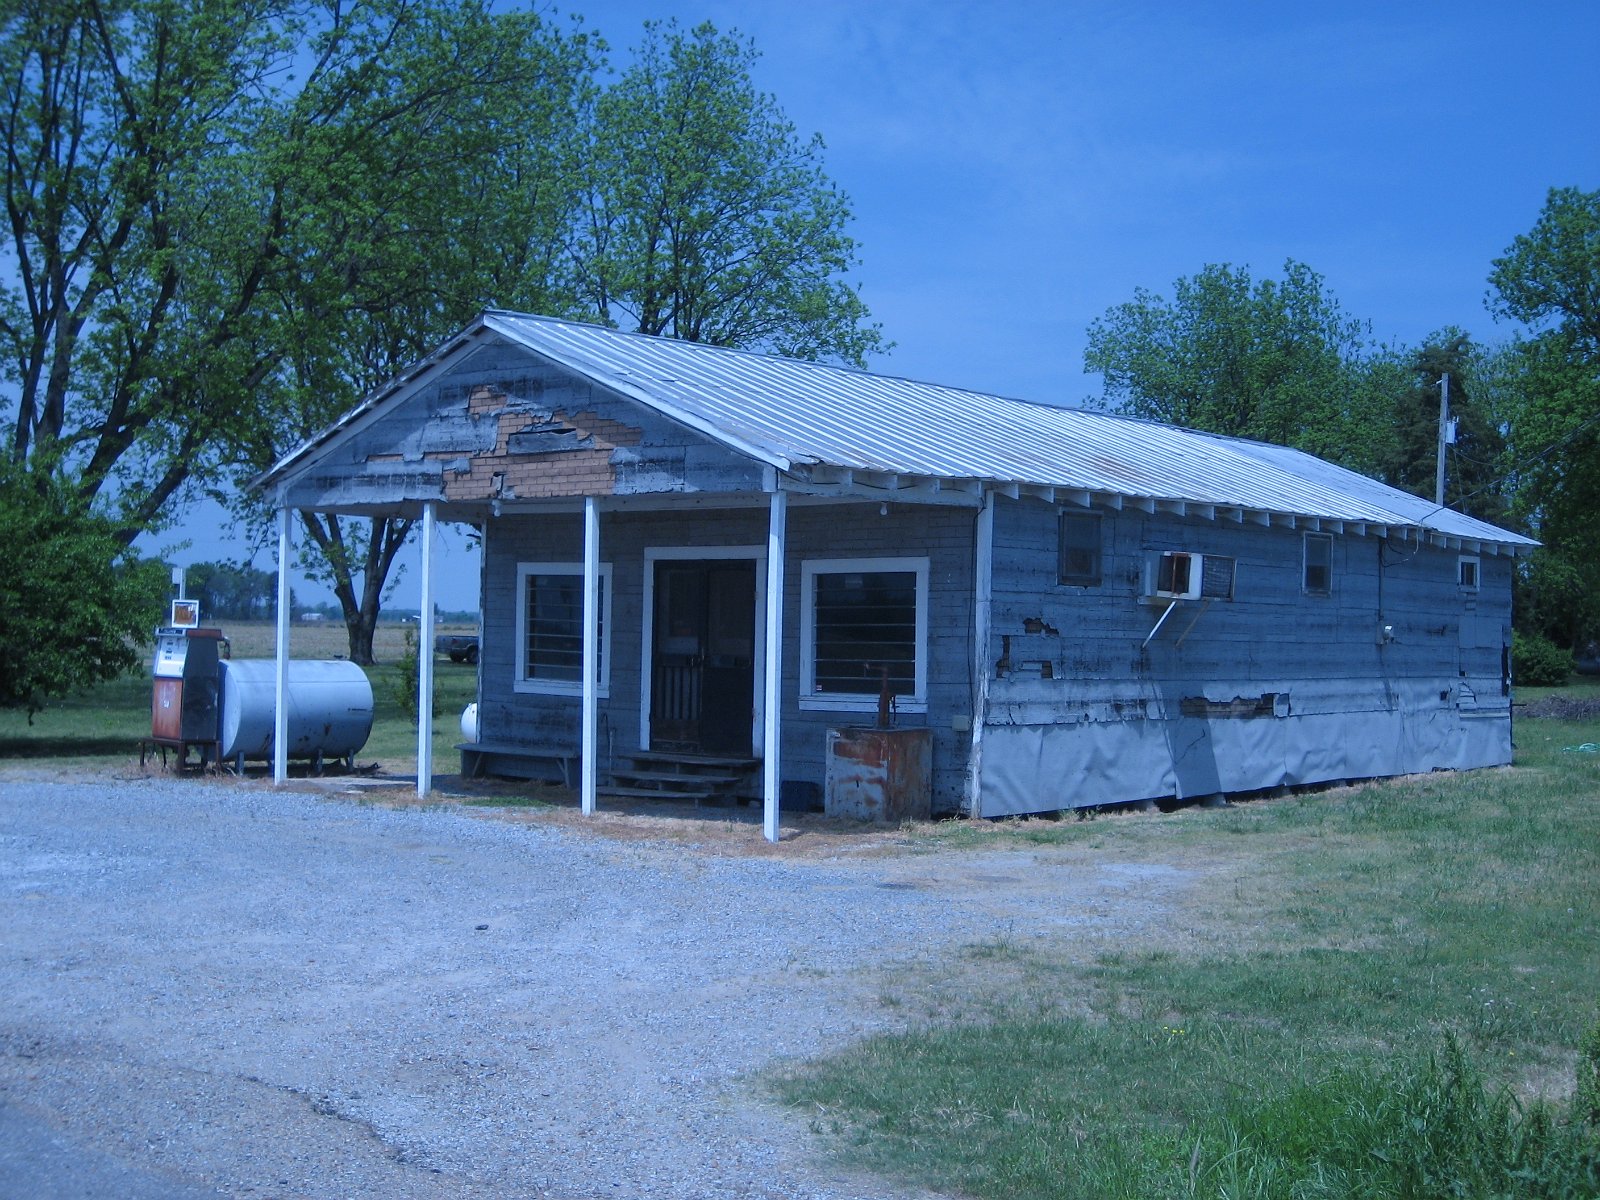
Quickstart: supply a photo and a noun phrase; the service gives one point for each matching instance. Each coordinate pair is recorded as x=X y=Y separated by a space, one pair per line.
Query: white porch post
x=425 y=659
x=983 y=609
x=280 y=713
x=777 y=531
x=591 y=650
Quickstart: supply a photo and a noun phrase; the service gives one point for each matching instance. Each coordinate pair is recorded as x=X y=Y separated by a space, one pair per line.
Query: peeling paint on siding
x=502 y=425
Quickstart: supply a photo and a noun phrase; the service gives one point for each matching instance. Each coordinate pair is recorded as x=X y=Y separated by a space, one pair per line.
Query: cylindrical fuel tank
x=469 y=722
x=330 y=708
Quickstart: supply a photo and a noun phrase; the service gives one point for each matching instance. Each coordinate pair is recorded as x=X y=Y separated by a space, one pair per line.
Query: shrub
x=75 y=603
x=404 y=683
x=1538 y=662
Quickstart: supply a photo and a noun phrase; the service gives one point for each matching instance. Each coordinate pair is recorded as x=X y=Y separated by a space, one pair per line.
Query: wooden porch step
x=677 y=779
x=638 y=793
x=689 y=763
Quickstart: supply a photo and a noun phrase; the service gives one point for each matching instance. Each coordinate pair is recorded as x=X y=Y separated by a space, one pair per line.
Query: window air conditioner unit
x=1182 y=575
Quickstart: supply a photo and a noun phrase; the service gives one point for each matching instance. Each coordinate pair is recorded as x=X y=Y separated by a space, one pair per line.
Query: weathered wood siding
x=503 y=424
x=944 y=535
x=1273 y=687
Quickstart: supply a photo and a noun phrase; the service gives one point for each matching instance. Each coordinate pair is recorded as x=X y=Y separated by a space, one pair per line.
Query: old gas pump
x=183 y=703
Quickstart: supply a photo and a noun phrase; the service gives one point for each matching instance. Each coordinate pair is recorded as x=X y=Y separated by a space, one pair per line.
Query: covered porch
x=623 y=638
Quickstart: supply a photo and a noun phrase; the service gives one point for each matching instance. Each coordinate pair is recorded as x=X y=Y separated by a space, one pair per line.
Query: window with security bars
x=865 y=631
x=550 y=627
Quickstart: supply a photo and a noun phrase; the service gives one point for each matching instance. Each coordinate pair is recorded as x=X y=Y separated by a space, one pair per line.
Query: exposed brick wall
x=546 y=432
x=585 y=470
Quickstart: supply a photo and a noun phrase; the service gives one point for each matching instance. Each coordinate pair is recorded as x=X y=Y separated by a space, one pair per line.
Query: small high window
x=1318 y=576
x=550 y=628
x=1078 y=561
x=1467 y=572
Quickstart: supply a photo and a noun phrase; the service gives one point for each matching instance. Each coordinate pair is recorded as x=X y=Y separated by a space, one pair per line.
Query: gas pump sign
x=171 y=649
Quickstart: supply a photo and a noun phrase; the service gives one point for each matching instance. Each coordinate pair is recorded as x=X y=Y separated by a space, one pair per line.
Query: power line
x=1518 y=468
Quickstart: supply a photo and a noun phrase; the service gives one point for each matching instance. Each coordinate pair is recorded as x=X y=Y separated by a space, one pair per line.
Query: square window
x=1467 y=572
x=1079 y=559
x=550 y=628
x=864 y=627
x=1318 y=576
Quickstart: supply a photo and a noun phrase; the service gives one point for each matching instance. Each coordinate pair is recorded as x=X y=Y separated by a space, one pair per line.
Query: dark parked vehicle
x=461 y=647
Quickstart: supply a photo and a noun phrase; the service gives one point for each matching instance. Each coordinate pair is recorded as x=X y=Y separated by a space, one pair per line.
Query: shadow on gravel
x=65 y=747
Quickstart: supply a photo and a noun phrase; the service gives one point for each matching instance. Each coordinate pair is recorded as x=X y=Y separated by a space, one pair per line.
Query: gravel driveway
x=222 y=989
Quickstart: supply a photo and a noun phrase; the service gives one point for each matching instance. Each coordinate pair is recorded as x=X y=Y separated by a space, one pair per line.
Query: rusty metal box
x=879 y=774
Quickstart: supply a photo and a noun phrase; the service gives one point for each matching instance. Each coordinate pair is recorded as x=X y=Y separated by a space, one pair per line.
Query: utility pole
x=1446 y=436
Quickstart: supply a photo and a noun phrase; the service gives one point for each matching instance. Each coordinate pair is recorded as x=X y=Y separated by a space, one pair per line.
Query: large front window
x=864 y=631
x=550 y=627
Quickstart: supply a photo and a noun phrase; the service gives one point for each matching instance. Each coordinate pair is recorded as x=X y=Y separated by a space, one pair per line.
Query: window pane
x=865 y=631
x=555 y=627
x=1319 y=564
x=1079 y=561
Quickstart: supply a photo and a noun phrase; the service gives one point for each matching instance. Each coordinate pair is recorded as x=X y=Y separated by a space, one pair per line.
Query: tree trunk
x=360 y=625
x=383 y=540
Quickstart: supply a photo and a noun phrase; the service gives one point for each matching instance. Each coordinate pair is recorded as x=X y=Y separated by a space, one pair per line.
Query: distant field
x=320 y=639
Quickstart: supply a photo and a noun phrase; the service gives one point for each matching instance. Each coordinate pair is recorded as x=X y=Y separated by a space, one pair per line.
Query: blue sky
x=1016 y=169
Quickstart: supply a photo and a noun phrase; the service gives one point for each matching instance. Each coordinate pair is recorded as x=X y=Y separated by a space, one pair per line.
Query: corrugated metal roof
x=787 y=413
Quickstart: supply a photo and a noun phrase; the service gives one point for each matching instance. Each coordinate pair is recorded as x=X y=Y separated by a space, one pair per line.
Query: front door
x=702 y=687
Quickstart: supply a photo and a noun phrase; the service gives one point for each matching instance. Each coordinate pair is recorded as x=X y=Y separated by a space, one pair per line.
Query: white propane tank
x=469 y=722
x=330 y=708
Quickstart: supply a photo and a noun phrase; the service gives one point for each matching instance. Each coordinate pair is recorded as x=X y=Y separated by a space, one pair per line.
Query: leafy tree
x=236 y=592
x=229 y=221
x=1549 y=279
x=706 y=217
x=139 y=238
x=554 y=216
x=1474 y=462
x=467 y=204
x=1550 y=276
x=76 y=605
x=1552 y=411
x=1276 y=360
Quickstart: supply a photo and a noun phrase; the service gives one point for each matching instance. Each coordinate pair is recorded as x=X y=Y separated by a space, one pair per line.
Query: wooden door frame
x=647 y=641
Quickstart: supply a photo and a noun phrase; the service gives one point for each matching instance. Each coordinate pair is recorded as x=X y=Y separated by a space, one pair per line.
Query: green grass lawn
x=1418 y=964
x=103 y=725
